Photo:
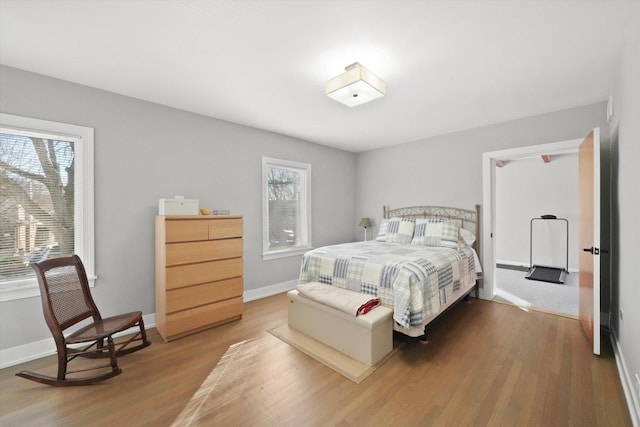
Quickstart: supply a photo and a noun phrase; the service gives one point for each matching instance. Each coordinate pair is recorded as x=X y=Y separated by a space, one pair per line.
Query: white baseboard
x=26 y=352
x=627 y=382
x=37 y=349
x=513 y=263
x=268 y=291
x=46 y=347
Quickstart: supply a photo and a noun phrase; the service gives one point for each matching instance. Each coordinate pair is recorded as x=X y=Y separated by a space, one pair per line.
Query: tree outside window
x=284 y=185
x=36 y=202
x=286 y=207
x=46 y=199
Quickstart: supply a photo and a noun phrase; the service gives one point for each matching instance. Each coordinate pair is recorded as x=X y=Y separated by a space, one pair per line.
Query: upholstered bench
x=367 y=338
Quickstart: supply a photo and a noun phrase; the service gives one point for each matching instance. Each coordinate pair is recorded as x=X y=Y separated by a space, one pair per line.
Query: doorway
x=489 y=165
x=536 y=213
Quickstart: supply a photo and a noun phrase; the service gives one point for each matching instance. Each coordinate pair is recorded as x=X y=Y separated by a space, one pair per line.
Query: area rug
x=347 y=366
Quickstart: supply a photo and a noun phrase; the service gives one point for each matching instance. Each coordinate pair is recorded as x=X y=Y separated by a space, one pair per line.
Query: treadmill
x=544 y=273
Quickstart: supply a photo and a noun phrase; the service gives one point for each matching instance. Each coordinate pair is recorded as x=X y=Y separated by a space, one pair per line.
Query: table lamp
x=366 y=223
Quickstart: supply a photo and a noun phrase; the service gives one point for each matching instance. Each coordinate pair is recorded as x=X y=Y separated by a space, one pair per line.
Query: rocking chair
x=67 y=301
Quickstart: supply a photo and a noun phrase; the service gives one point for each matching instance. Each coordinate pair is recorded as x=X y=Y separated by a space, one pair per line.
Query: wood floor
x=486 y=364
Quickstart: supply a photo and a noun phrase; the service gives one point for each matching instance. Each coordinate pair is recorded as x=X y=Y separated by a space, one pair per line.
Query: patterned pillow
x=400 y=230
x=436 y=232
x=428 y=232
x=382 y=231
x=450 y=234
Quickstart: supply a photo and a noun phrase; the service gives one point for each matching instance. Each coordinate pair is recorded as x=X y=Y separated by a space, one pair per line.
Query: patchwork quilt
x=414 y=281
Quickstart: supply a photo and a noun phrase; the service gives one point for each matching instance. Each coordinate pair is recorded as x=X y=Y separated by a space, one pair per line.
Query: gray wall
x=144 y=152
x=625 y=190
x=528 y=188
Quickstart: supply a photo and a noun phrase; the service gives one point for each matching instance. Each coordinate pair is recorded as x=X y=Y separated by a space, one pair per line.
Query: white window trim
x=83 y=198
x=305 y=204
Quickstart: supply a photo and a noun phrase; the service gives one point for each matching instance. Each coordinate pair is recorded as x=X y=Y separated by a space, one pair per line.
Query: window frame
x=304 y=205
x=84 y=242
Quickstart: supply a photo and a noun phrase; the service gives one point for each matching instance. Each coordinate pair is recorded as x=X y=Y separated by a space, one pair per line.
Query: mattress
x=414 y=281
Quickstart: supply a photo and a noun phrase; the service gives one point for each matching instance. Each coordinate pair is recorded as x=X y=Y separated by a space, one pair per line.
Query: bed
x=423 y=260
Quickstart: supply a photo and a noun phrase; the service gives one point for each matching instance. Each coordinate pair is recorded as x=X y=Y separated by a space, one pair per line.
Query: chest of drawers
x=199 y=269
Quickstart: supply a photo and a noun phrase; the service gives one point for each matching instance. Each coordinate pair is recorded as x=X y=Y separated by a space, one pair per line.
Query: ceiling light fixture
x=355 y=86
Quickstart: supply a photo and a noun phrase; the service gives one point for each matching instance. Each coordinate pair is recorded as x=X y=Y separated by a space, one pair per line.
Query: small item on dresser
x=222 y=212
x=178 y=206
x=205 y=211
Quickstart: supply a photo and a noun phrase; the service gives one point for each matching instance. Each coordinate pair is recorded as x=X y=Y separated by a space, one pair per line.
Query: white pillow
x=467 y=237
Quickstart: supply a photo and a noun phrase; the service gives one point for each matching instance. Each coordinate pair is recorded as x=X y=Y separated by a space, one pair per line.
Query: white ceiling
x=448 y=65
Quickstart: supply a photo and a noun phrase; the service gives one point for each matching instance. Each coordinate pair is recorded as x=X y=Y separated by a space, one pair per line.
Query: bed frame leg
x=467 y=297
x=424 y=338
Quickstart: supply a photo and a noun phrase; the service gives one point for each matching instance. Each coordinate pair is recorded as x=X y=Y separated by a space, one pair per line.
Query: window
x=46 y=202
x=286 y=208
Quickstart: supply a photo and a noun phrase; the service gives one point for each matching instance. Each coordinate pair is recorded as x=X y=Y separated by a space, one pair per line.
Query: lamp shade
x=355 y=86
x=365 y=222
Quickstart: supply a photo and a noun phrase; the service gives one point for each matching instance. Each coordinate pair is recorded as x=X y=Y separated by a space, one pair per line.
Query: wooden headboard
x=470 y=219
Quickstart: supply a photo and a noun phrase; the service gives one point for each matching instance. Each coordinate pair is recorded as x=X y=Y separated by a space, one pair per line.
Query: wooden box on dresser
x=199 y=269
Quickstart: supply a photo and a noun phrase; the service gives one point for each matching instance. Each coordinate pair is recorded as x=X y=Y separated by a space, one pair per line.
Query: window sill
x=285 y=253
x=26 y=288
